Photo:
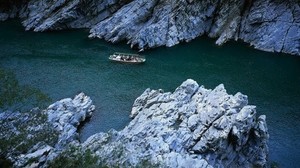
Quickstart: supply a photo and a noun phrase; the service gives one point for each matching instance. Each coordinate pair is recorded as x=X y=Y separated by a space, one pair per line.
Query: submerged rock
x=191 y=127
x=271 y=25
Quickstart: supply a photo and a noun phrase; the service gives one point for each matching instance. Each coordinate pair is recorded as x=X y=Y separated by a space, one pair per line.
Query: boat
x=127 y=58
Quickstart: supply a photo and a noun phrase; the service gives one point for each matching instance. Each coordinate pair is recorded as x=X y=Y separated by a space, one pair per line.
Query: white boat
x=127 y=58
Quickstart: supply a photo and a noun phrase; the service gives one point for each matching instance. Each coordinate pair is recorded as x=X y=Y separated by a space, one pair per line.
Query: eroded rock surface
x=273 y=26
x=270 y=25
x=191 y=127
x=34 y=138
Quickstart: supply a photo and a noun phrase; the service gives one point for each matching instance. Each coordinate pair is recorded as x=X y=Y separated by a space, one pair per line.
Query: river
x=63 y=63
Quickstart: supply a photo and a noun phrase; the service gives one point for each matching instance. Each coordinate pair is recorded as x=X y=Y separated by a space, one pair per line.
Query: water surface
x=62 y=64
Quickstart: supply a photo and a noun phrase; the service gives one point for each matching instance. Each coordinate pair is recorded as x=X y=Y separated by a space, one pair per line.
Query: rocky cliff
x=191 y=127
x=270 y=25
x=30 y=139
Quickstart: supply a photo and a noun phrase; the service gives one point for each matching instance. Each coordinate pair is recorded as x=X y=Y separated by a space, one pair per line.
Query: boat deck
x=127 y=58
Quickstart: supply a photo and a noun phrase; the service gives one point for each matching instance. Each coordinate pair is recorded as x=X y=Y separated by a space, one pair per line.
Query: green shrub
x=19 y=135
x=75 y=157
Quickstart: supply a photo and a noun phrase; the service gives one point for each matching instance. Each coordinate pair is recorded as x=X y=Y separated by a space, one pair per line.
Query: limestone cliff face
x=270 y=25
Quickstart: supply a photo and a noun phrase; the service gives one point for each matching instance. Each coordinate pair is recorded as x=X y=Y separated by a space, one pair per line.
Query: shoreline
x=133 y=21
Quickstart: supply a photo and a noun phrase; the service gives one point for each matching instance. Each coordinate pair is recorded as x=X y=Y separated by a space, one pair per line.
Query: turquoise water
x=62 y=64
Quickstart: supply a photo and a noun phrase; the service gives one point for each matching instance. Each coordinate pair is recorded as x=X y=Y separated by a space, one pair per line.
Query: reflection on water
x=61 y=64
x=15 y=97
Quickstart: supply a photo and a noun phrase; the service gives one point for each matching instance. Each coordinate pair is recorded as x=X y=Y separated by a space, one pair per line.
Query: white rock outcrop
x=67 y=114
x=191 y=127
x=45 y=139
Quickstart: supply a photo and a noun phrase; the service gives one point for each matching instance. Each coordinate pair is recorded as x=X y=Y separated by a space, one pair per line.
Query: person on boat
x=128 y=58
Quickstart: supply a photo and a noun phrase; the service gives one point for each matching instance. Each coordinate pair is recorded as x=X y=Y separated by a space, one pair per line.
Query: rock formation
x=191 y=127
x=270 y=25
x=34 y=138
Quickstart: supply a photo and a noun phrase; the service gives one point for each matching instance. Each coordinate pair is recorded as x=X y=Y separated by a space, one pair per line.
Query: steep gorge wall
x=270 y=25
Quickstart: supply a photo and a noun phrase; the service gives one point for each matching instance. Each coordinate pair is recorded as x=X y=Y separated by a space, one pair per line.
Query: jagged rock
x=67 y=114
x=191 y=127
x=63 y=14
x=156 y=23
x=48 y=132
x=271 y=25
x=38 y=152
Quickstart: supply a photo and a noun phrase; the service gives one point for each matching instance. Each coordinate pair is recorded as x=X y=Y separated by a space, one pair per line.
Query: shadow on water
x=62 y=64
x=16 y=97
